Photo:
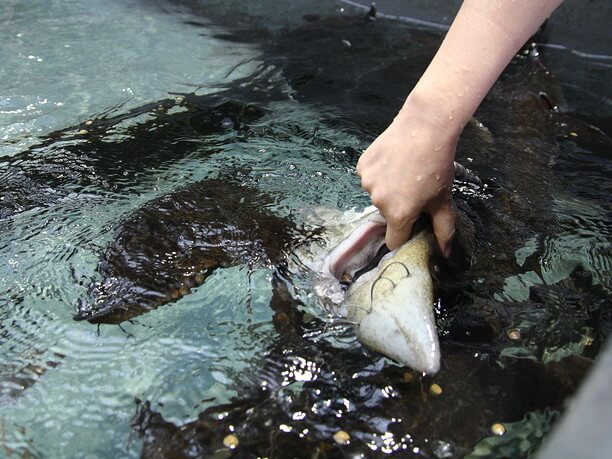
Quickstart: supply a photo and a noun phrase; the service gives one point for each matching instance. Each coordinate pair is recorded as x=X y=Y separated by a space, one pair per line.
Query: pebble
x=83 y=132
x=230 y=441
x=342 y=437
x=435 y=390
x=498 y=429
x=514 y=335
x=89 y=122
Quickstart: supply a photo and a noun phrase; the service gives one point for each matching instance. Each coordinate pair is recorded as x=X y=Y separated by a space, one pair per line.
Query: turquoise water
x=70 y=389
x=84 y=381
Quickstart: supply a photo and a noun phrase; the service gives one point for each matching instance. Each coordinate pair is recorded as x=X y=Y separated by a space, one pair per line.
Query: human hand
x=408 y=170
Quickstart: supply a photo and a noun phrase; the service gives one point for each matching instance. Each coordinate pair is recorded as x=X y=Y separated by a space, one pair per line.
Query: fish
x=388 y=297
x=170 y=245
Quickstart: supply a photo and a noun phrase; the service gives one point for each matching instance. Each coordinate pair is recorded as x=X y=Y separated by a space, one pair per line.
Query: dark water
x=249 y=352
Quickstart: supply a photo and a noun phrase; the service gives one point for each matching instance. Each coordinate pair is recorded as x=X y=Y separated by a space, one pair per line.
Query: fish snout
x=394 y=316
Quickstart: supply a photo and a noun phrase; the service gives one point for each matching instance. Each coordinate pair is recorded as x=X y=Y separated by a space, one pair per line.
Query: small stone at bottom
x=342 y=437
x=498 y=429
x=230 y=441
x=435 y=390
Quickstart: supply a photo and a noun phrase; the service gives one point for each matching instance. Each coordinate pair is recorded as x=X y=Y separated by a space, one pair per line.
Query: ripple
x=221 y=359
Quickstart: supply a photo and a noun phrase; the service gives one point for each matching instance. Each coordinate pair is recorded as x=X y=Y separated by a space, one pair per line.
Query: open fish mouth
x=355 y=254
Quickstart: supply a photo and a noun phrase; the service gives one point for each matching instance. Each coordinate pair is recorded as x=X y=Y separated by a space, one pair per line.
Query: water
x=178 y=94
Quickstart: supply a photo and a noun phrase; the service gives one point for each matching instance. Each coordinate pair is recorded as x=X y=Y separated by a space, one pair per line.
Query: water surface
x=123 y=103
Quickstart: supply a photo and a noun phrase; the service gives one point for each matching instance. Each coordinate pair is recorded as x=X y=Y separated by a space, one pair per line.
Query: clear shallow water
x=70 y=389
x=66 y=61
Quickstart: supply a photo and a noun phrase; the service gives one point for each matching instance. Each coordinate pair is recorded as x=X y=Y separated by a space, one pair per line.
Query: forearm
x=481 y=41
x=408 y=170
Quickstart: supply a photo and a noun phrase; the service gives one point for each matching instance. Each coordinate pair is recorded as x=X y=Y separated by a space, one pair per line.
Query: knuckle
x=378 y=201
x=398 y=217
x=366 y=184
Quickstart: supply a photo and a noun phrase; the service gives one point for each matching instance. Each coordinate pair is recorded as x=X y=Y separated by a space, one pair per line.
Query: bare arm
x=408 y=169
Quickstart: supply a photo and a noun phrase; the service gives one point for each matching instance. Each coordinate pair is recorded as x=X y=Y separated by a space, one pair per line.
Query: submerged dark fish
x=174 y=242
x=113 y=152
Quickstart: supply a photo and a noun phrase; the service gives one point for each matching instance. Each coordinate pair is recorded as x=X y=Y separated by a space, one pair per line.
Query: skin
x=408 y=169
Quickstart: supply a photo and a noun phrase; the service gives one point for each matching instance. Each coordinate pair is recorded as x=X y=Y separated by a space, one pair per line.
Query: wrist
x=425 y=112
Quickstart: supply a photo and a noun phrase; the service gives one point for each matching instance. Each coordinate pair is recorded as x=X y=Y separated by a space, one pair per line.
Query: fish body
x=173 y=243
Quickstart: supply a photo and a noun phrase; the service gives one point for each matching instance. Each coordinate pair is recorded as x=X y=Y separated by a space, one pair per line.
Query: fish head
x=391 y=300
x=392 y=306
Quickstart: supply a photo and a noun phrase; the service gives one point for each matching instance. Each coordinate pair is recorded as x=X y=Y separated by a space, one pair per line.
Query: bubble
x=227 y=123
x=419 y=178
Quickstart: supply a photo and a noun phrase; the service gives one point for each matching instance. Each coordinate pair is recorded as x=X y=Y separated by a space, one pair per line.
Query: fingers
x=443 y=221
x=398 y=232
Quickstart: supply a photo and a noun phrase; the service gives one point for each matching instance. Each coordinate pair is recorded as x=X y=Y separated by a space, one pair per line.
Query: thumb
x=398 y=234
x=443 y=220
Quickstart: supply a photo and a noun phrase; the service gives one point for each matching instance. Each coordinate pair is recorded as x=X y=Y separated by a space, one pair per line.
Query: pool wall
x=577 y=24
